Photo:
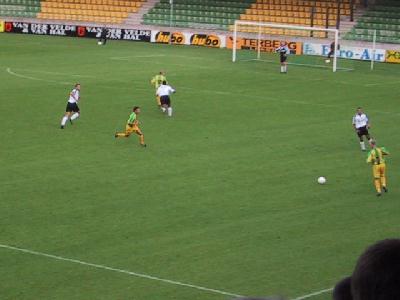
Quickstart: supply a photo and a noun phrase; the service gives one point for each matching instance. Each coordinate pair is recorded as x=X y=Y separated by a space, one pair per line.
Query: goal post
x=260 y=29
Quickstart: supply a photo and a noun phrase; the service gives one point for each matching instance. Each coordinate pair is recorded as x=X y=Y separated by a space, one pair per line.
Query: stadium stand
x=19 y=8
x=197 y=13
x=385 y=18
x=320 y=13
x=100 y=11
x=222 y=14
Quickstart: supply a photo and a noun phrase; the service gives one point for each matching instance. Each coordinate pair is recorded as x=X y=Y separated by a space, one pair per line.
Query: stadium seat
x=19 y=8
x=385 y=19
x=104 y=11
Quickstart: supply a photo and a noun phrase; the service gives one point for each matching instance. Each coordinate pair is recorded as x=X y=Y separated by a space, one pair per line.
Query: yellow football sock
x=121 y=134
x=141 y=138
x=383 y=181
x=377 y=182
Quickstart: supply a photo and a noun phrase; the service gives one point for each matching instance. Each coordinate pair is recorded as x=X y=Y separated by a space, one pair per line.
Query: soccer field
x=223 y=199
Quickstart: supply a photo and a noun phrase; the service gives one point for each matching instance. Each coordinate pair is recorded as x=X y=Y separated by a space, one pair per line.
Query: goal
x=255 y=36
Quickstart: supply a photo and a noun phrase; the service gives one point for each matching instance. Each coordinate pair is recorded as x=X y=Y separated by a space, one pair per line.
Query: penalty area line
x=135 y=274
x=135 y=56
x=197 y=91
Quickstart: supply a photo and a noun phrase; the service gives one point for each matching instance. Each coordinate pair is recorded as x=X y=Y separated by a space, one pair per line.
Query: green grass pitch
x=225 y=194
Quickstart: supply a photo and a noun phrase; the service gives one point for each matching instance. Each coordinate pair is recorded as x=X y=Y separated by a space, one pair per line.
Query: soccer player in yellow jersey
x=157 y=81
x=132 y=126
x=377 y=158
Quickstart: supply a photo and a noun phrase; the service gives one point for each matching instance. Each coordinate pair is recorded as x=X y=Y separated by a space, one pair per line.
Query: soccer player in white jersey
x=361 y=126
x=72 y=111
x=164 y=91
x=283 y=51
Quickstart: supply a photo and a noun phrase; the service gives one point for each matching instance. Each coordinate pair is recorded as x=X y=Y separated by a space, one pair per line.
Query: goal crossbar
x=284 y=26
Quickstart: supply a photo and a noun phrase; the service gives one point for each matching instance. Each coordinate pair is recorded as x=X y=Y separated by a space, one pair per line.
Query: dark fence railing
x=339 y=4
x=327 y=14
x=352 y=10
x=312 y=10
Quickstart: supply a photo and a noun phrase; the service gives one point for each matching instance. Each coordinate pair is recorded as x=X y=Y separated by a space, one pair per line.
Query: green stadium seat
x=384 y=19
x=19 y=8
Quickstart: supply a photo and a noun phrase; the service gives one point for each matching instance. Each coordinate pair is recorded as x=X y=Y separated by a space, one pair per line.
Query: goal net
x=258 y=41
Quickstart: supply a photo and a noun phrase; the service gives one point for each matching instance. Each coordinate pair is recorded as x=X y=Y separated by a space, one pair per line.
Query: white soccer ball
x=321 y=180
x=99 y=43
x=327 y=61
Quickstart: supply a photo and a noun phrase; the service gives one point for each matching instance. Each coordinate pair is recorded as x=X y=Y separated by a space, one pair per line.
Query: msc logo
x=81 y=31
x=8 y=27
x=164 y=38
x=205 y=40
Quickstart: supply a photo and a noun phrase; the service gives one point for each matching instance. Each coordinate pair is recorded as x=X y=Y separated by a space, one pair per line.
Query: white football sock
x=64 y=120
x=163 y=109
x=75 y=116
x=362 y=144
x=169 y=111
x=285 y=68
x=282 y=69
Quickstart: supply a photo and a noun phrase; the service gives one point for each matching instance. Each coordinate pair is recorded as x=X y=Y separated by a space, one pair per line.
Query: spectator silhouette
x=376 y=275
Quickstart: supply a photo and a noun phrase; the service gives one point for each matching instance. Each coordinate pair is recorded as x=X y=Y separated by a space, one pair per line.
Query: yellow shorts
x=134 y=128
x=379 y=170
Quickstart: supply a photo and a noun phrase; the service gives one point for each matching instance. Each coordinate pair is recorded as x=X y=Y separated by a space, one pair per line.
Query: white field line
x=35 y=78
x=55 y=73
x=77 y=75
x=157 y=55
x=196 y=90
x=313 y=294
x=192 y=57
x=281 y=100
x=183 y=65
x=298 y=64
x=126 y=58
x=137 y=56
x=141 y=275
x=9 y=71
x=383 y=83
x=97 y=266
